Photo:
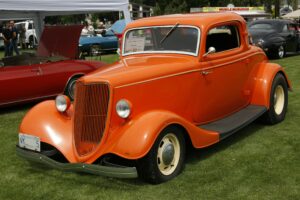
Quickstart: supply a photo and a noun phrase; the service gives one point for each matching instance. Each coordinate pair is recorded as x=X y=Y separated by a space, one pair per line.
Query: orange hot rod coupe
x=181 y=79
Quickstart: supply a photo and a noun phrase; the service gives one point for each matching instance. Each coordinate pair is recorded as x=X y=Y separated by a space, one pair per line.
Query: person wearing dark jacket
x=7 y=38
x=14 y=37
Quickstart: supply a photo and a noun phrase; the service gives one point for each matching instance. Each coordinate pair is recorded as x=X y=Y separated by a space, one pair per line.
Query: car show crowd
x=10 y=38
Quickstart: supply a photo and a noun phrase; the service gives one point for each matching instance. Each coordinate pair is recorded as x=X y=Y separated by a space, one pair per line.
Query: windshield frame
x=162 y=52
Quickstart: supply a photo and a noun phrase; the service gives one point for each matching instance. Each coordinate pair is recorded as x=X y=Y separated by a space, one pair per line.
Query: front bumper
x=118 y=172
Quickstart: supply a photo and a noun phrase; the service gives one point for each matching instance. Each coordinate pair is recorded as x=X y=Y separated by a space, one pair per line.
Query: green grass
x=258 y=162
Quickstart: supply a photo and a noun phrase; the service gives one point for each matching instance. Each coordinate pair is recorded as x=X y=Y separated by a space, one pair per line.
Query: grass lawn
x=258 y=162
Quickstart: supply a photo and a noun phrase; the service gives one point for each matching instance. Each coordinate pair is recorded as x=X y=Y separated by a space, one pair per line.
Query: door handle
x=206 y=72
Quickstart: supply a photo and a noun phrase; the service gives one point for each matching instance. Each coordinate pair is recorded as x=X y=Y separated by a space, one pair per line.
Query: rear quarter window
x=223 y=38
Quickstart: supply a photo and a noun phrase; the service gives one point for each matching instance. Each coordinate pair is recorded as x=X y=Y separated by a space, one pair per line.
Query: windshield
x=183 y=39
x=261 y=26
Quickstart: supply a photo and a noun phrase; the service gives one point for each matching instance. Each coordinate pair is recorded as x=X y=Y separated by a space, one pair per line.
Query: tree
x=170 y=7
x=176 y=6
x=295 y=4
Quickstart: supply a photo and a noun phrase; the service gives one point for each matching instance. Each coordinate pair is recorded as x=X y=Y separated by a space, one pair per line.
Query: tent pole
x=126 y=14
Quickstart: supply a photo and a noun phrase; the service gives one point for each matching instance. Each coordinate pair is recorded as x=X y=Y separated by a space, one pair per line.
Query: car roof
x=195 y=19
x=272 y=21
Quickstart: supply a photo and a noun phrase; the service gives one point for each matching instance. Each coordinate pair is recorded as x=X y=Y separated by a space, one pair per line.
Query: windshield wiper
x=169 y=33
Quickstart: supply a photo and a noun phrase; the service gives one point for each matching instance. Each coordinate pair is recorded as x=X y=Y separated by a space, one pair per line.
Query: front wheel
x=166 y=158
x=70 y=89
x=280 y=52
x=278 y=101
x=95 y=50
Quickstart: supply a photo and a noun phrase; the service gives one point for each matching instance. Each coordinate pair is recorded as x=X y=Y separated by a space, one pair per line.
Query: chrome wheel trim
x=279 y=99
x=281 y=52
x=168 y=154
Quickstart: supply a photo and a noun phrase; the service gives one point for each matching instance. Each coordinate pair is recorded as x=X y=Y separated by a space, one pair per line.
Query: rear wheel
x=165 y=160
x=32 y=41
x=278 y=101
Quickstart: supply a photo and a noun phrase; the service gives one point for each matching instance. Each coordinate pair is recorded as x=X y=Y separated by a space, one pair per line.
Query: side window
x=30 y=26
x=285 y=29
x=223 y=38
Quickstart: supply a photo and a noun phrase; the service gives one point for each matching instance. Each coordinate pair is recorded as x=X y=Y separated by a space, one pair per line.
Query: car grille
x=91 y=106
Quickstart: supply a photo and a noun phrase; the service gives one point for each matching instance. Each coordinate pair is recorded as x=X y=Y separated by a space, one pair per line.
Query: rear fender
x=263 y=83
x=52 y=127
x=136 y=137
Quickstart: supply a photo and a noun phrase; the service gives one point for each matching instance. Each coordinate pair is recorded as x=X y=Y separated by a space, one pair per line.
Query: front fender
x=263 y=83
x=52 y=127
x=136 y=137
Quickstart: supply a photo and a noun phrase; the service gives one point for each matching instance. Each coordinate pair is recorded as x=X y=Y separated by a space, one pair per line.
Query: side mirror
x=210 y=51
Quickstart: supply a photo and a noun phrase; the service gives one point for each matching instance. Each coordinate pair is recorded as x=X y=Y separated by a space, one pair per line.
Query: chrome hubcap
x=168 y=154
x=279 y=100
x=281 y=52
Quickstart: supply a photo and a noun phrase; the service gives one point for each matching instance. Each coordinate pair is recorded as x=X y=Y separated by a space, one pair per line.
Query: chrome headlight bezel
x=123 y=108
x=62 y=103
x=260 y=42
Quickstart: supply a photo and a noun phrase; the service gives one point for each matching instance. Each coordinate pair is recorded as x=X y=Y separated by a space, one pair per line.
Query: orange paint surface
x=165 y=89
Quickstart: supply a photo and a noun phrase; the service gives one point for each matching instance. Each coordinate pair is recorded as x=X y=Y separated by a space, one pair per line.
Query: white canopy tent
x=39 y=9
x=292 y=15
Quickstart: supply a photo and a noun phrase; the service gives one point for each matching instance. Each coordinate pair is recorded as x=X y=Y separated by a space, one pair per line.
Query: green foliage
x=170 y=7
x=176 y=6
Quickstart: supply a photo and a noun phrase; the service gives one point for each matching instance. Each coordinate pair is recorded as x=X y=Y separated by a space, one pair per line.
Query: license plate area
x=29 y=142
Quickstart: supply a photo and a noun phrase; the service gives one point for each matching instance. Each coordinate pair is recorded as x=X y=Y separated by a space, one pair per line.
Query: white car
x=30 y=35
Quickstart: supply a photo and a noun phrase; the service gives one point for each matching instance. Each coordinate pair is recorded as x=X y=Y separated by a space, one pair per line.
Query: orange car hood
x=60 y=41
x=140 y=68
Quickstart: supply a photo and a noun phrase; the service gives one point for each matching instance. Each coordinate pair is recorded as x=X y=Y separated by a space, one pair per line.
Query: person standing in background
x=14 y=37
x=7 y=38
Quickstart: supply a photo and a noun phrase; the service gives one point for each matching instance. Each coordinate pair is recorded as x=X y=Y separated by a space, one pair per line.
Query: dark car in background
x=275 y=37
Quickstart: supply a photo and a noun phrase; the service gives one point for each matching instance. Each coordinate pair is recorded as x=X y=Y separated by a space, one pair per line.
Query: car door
x=19 y=83
x=223 y=74
x=291 y=37
x=55 y=76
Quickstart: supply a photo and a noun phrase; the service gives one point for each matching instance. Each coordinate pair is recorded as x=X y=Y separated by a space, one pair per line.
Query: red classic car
x=49 y=72
x=182 y=80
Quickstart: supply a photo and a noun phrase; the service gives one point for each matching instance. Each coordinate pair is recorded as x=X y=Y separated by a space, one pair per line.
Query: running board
x=231 y=124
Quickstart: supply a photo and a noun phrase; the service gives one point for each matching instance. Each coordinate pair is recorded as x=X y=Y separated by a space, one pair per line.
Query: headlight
x=123 y=108
x=62 y=103
x=260 y=42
